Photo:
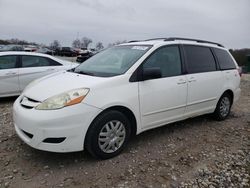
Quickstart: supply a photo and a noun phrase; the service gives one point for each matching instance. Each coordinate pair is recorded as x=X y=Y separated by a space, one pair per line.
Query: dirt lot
x=199 y=152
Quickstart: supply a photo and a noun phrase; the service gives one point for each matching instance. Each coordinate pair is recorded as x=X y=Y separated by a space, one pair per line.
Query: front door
x=163 y=100
x=9 y=76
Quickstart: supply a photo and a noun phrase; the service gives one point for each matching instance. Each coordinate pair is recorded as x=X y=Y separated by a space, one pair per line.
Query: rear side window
x=167 y=59
x=225 y=60
x=54 y=63
x=8 y=62
x=199 y=59
x=36 y=61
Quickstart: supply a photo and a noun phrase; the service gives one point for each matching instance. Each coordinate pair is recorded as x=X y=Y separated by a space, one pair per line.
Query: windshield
x=113 y=61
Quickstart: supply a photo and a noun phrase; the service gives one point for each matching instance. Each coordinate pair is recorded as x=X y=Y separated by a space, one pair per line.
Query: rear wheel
x=108 y=135
x=223 y=107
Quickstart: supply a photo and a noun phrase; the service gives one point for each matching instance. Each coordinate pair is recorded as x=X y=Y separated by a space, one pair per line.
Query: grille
x=54 y=140
x=29 y=103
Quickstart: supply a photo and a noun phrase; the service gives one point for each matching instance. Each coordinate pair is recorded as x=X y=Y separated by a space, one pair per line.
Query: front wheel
x=108 y=135
x=223 y=107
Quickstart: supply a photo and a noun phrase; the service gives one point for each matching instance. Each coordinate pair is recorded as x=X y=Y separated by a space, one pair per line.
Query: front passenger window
x=167 y=59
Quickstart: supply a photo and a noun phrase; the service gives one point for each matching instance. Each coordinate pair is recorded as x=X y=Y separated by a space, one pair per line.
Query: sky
x=42 y=21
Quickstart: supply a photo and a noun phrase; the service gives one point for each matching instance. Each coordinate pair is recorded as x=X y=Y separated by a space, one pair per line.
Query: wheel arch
x=126 y=111
x=231 y=94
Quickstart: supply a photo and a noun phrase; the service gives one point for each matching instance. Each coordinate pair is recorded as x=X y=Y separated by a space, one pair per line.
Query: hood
x=59 y=83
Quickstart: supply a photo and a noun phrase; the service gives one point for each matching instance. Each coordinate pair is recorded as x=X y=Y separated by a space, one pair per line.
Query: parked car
x=18 y=69
x=84 y=56
x=11 y=47
x=125 y=90
x=93 y=50
x=44 y=50
x=30 y=48
x=78 y=51
x=67 y=51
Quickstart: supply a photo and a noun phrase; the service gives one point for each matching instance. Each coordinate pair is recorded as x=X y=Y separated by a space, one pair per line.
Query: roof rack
x=189 y=39
x=156 y=39
x=179 y=38
x=146 y=40
x=134 y=41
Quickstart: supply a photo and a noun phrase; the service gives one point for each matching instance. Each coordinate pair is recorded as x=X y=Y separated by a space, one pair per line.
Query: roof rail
x=134 y=41
x=156 y=39
x=179 y=38
x=189 y=39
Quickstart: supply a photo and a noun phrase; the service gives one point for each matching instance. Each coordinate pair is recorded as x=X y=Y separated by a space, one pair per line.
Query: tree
x=16 y=41
x=76 y=43
x=55 y=45
x=240 y=55
x=99 y=46
x=85 y=42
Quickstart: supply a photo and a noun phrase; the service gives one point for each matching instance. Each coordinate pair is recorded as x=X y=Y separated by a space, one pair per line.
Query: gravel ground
x=198 y=152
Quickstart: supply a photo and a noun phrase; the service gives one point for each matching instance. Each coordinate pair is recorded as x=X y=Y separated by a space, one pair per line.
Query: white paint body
x=153 y=102
x=14 y=80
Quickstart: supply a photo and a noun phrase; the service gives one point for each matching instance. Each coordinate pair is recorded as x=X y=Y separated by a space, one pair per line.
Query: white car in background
x=18 y=69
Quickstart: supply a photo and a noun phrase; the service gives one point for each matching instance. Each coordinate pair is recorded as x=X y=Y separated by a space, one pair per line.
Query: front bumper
x=35 y=126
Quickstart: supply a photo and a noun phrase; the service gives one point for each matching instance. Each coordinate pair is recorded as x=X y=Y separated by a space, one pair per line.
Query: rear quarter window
x=225 y=60
x=54 y=63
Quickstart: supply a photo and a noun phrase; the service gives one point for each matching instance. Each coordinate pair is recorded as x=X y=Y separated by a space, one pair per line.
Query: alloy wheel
x=225 y=106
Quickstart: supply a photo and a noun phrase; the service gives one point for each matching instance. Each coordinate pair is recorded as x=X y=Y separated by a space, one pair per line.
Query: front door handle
x=50 y=69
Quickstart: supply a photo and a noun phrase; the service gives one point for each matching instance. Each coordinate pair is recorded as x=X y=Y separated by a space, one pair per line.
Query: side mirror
x=151 y=73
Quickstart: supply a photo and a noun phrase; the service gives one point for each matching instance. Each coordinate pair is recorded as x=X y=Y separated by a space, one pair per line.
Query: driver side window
x=167 y=59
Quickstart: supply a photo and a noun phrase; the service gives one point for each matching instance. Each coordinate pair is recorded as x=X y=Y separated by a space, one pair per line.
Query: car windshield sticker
x=140 y=48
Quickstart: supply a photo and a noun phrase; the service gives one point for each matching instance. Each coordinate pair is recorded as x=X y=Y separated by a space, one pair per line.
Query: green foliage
x=16 y=41
x=240 y=55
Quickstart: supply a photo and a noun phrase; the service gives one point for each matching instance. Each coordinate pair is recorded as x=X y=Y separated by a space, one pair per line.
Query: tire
x=108 y=135
x=223 y=107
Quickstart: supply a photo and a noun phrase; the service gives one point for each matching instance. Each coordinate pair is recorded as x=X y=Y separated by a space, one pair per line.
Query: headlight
x=65 y=99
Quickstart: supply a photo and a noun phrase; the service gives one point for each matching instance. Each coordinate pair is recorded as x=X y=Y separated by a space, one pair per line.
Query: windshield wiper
x=85 y=73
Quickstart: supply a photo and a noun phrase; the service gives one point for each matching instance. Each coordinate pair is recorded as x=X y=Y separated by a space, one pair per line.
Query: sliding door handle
x=10 y=73
x=192 y=79
x=181 y=81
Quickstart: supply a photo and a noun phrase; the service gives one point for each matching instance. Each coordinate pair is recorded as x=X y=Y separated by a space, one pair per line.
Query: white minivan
x=125 y=90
